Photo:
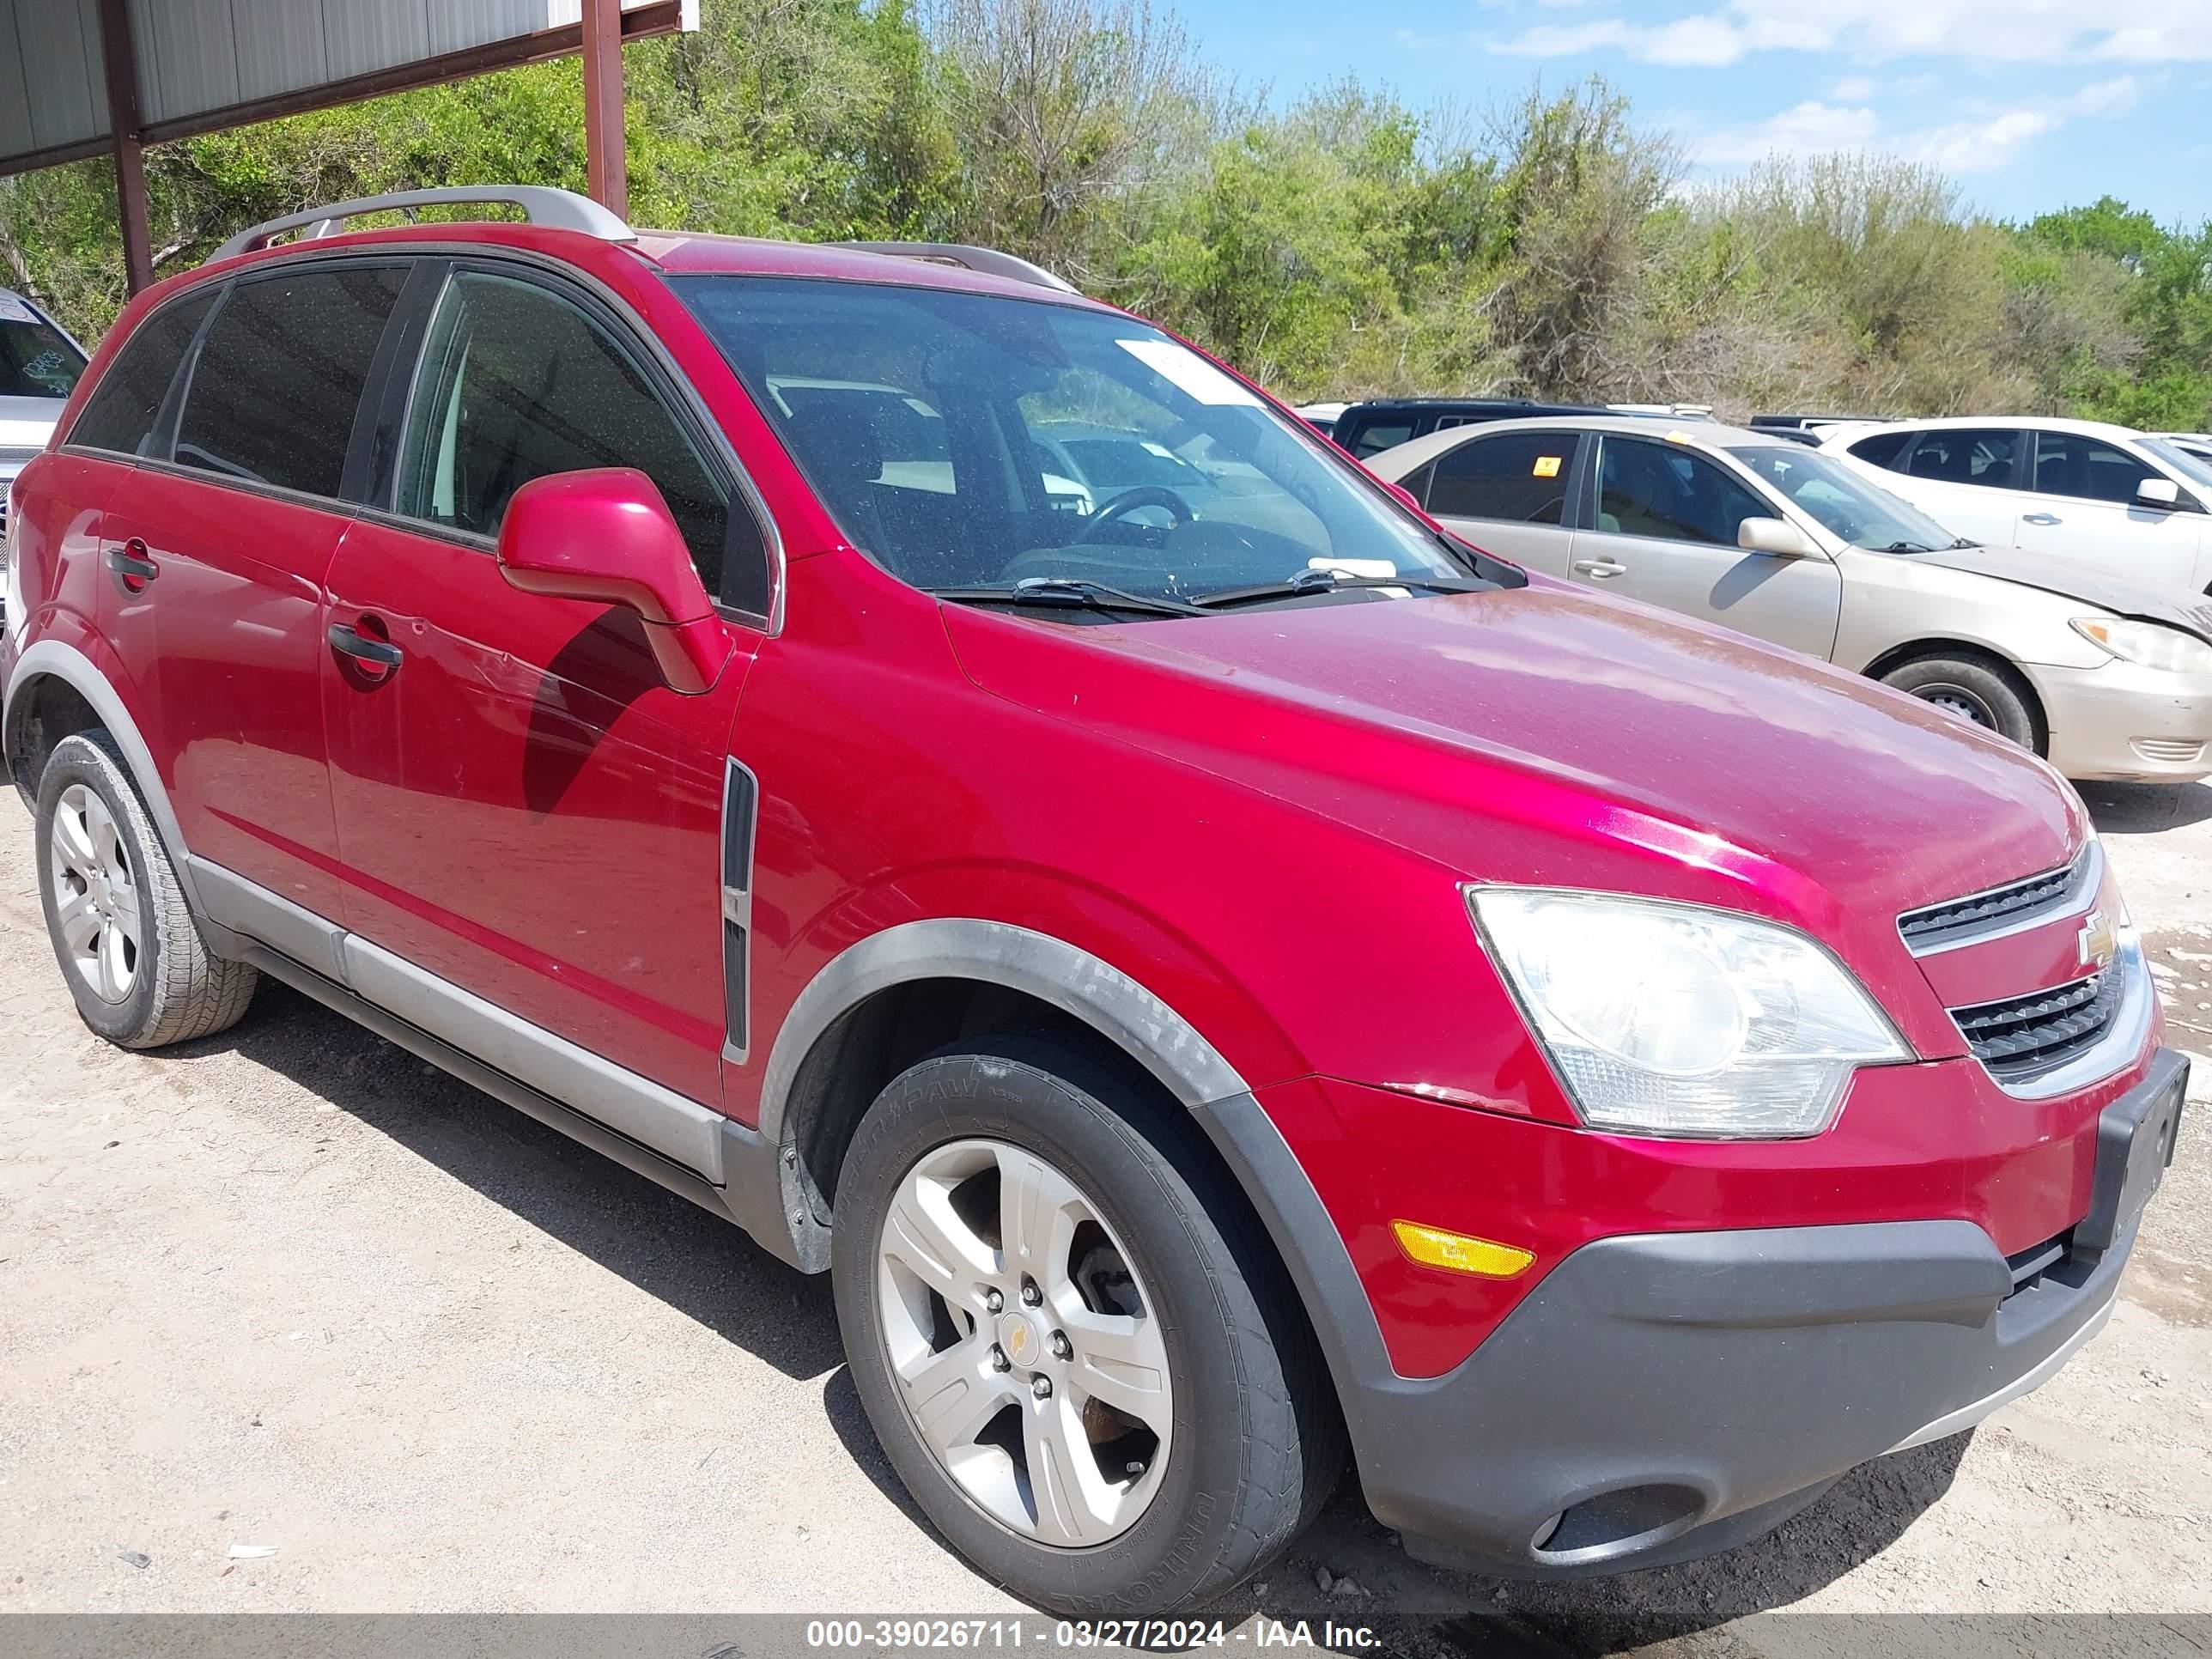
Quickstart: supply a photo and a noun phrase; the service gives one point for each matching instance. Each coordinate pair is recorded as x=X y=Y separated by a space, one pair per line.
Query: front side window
x=1673 y=493
x=517 y=383
x=1521 y=477
x=1828 y=489
x=280 y=374
x=2067 y=464
x=1974 y=457
x=124 y=406
x=970 y=441
x=36 y=358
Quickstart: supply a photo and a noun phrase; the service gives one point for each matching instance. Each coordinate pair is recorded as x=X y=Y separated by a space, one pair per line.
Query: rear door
x=526 y=813
x=1508 y=495
x=1968 y=479
x=218 y=541
x=2083 y=507
x=1665 y=521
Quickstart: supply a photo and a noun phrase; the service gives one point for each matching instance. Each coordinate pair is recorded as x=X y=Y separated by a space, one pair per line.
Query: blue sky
x=2027 y=104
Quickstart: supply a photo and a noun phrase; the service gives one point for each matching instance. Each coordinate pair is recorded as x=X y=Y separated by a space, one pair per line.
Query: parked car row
x=2069 y=615
x=1216 y=970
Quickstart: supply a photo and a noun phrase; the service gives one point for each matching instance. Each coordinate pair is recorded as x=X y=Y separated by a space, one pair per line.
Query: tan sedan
x=1778 y=540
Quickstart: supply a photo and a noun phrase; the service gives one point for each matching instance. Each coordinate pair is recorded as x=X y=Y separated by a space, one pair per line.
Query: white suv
x=2106 y=497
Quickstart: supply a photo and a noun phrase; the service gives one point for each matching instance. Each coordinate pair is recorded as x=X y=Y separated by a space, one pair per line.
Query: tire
x=1977 y=691
x=1245 y=1440
x=103 y=872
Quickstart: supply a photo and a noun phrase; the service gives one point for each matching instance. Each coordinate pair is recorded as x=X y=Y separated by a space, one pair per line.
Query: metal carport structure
x=82 y=78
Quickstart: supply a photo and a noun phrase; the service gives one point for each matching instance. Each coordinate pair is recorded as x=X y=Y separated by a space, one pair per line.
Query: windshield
x=1848 y=504
x=36 y=359
x=967 y=441
x=2189 y=463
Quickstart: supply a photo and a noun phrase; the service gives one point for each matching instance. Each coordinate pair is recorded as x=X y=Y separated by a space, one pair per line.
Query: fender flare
x=52 y=659
x=998 y=953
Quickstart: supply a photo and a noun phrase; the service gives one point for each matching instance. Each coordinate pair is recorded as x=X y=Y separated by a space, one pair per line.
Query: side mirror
x=2158 y=492
x=1775 y=536
x=606 y=536
x=1405 y=495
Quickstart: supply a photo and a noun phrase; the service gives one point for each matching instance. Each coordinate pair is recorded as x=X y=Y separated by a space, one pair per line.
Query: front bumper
x=2125 y=722
x=1661 y=1396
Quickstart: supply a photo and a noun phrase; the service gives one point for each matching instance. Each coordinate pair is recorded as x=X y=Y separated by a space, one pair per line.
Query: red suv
x=940 y=773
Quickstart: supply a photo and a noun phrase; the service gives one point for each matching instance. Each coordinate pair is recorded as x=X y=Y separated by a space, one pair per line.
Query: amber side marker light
x=1456 y=1252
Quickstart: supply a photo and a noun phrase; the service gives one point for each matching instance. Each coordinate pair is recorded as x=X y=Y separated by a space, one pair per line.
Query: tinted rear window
x=281 y=373
x=1882 y=449
x=120 y=416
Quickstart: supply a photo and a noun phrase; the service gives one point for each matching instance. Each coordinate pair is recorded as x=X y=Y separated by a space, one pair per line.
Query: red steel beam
x=606 y=165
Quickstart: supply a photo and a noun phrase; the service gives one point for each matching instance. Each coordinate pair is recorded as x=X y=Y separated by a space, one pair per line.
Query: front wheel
x=1091 y=1379
x=1977 y=692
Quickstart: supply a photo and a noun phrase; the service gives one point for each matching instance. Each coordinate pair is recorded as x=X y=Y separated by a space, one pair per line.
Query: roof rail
x=987 y=260
x=541 y=205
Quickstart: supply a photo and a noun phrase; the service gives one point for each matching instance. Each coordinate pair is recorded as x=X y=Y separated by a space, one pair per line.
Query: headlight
x=2152 y=644
x=1674 y=1020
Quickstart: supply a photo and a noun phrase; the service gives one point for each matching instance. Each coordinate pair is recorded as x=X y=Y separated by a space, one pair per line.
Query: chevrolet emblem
x=2097 y=942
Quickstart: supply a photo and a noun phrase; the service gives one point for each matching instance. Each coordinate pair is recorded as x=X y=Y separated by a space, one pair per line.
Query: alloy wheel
x=95 y=900
x=1026 y=1351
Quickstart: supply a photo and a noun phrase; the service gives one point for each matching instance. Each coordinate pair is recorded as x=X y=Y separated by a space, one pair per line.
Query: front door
x=1666 y=522
x=2083 y=509
x=525 y=811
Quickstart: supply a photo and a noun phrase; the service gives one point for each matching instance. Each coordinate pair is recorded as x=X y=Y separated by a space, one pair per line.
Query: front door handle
x=377 y=657
x=2040 y=518
x=130 y=567
x=1601 y=568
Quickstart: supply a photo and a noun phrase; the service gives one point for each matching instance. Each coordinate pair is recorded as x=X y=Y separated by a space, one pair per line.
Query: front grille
x=2022 y=1036
x=1979 y=914
x=2030 y=1265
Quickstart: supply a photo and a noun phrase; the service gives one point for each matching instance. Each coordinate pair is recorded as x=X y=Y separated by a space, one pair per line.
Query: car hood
x=28 y=421
x=2069 y=580
x=1542 y=734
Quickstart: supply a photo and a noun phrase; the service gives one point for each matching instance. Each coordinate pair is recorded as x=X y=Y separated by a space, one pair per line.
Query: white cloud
x=1986 y=142
x=1807 y=128
x=1974 y=30
x=1853 y=90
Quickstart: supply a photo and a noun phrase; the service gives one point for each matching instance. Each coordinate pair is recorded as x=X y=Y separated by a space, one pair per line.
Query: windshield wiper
x=1327 y=581
x=1909 y=547
x=1067 y=593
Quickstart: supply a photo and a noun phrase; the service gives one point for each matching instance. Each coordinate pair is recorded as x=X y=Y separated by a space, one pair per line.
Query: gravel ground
x=290 y=1287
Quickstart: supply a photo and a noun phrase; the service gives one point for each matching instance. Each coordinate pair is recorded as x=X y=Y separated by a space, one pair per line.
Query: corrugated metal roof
x=199 y=56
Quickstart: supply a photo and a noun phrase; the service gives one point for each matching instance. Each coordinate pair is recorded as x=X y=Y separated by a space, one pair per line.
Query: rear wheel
x=129 y=949
x=1977 y=692
x=1105 y=1398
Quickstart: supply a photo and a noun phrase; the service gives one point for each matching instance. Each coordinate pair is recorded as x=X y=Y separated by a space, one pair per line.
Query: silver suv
x=39 y=365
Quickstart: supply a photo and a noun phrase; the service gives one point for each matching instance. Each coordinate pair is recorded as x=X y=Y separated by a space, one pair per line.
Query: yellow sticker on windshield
x=1548 y=466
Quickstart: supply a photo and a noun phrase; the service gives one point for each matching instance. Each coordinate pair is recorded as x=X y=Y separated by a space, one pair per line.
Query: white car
x=2109 y=498
x=39 y=368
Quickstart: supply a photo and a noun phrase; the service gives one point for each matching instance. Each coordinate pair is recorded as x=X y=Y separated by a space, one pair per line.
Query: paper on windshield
x=13 y=310
x=1189 y=373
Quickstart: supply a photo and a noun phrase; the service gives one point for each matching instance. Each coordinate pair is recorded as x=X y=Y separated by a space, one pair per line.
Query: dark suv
x=939 y=772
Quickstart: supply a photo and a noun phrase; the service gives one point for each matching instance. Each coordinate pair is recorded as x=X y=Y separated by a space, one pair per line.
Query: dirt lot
x=291 y=1287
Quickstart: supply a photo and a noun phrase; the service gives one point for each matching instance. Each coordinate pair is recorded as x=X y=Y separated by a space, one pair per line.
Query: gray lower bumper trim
x=1966 y=1417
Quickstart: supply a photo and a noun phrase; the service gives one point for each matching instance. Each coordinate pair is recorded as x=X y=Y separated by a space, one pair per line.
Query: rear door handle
x=1601 y=568
x=130 y=567
x=2040 y=518
x=380 y=655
